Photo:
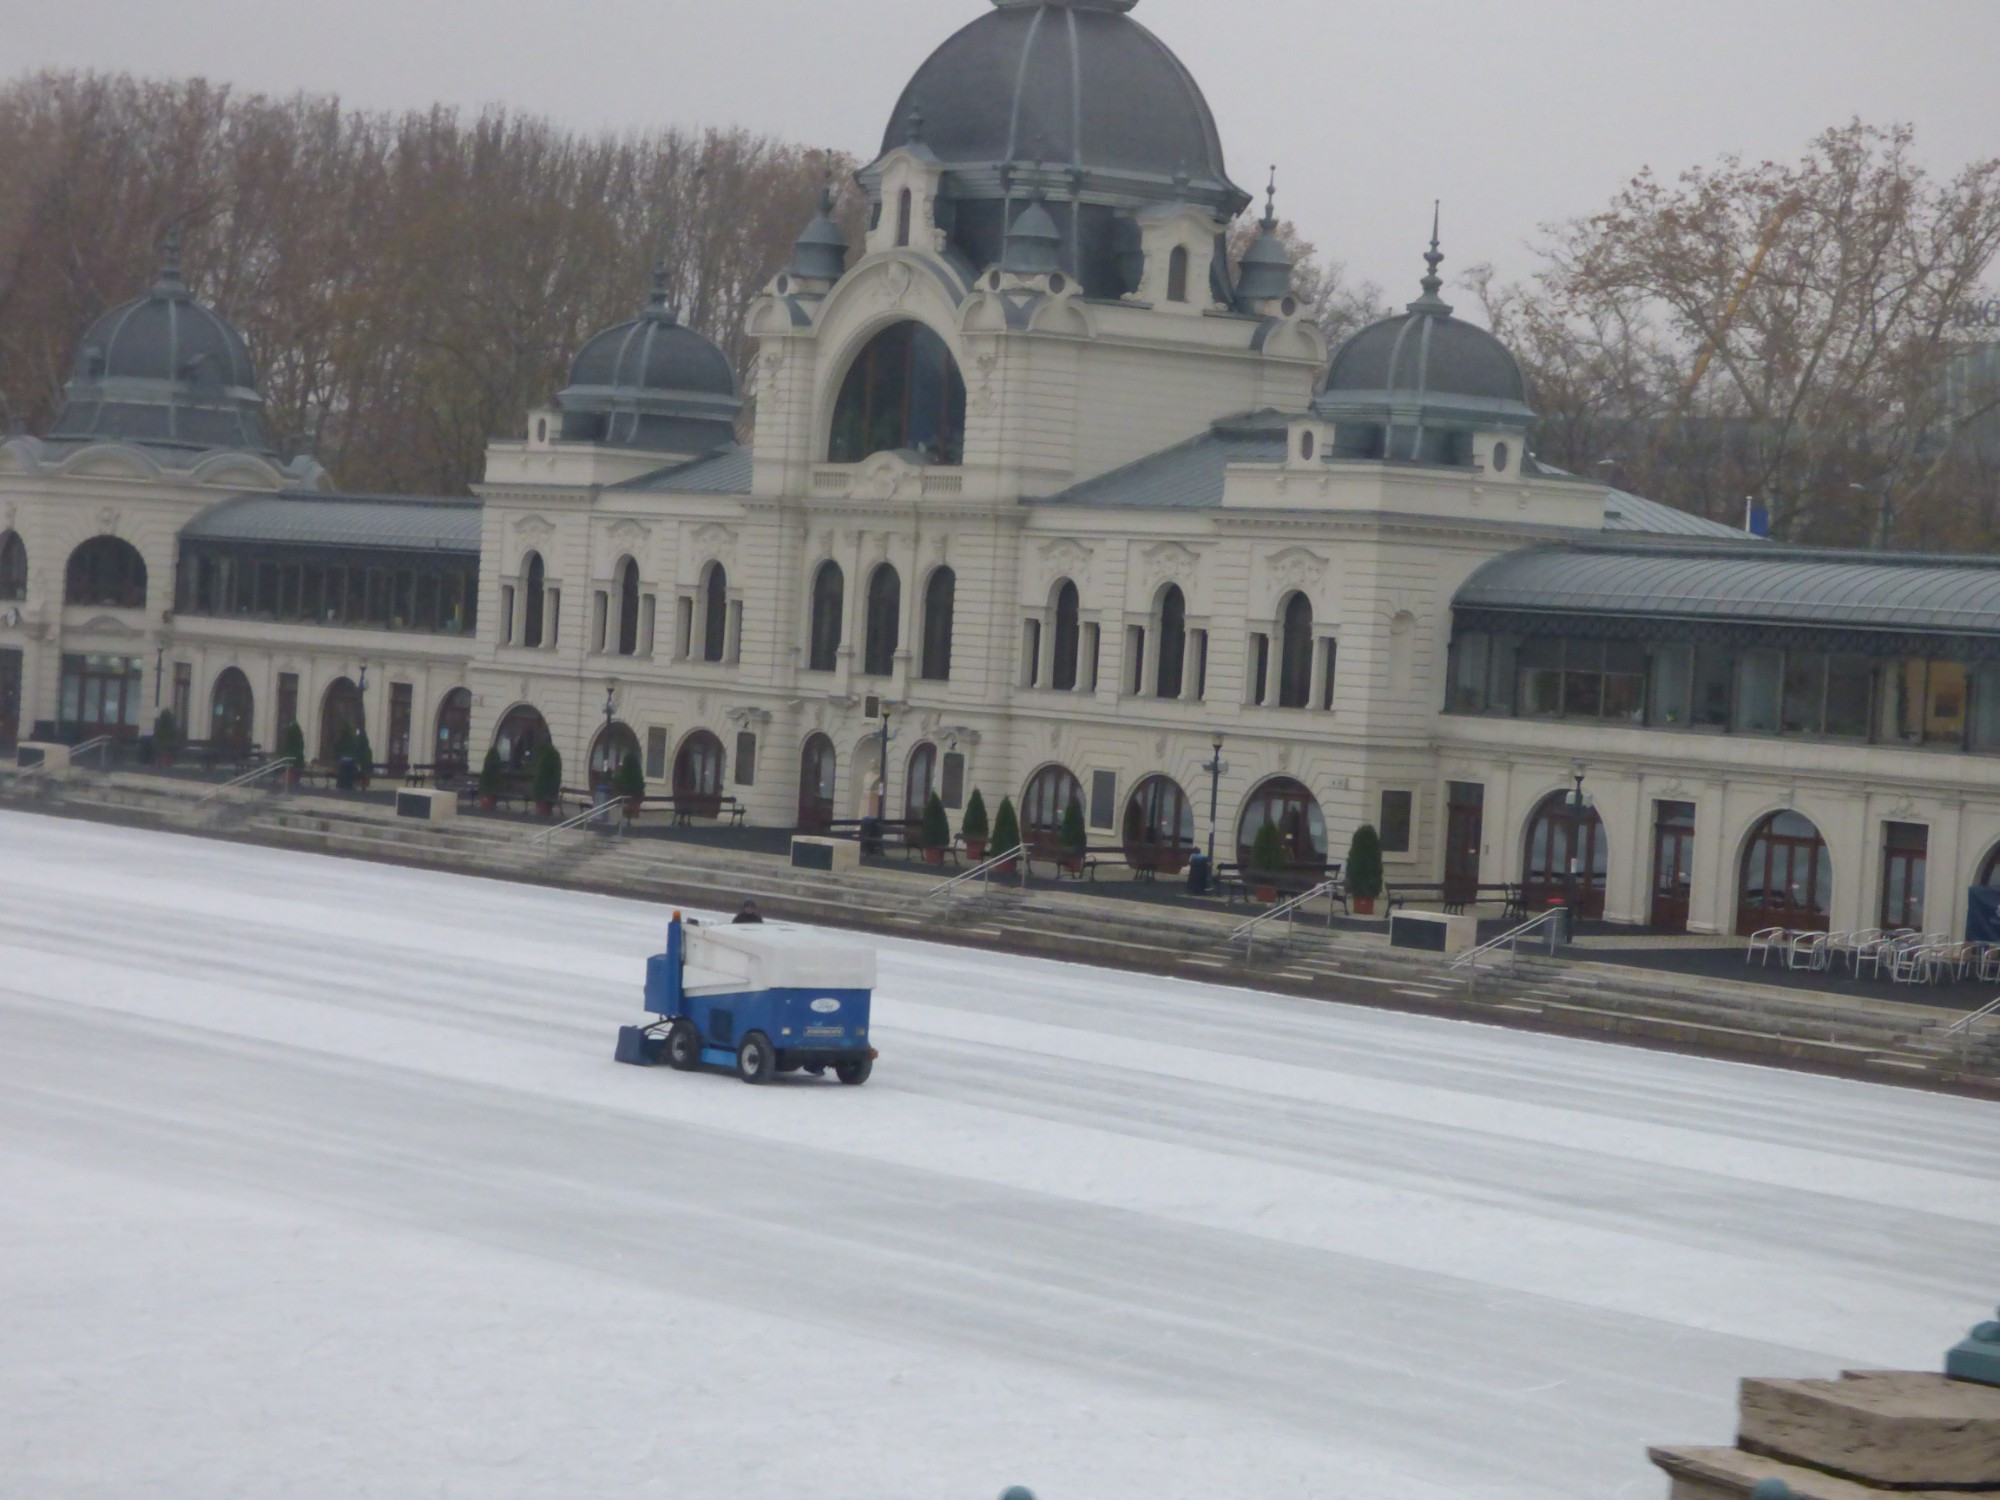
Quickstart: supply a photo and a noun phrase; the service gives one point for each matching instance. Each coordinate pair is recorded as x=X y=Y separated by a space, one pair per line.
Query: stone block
x=425 y=805
x=33 y=755
x=1896 y=1429
x=830 y=856
x=1731 y=1474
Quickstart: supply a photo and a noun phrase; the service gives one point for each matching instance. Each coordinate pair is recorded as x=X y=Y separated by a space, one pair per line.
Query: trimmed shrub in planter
x=936 y=831
x=1073 y=837
x=490 y=773
x=1364 y=869
x=976 y=830
x=166 y=736
x=292 y=747
x=364 y=759
x=548 y=779
x=1267 y=858
x=1006 y=831
x=630 y=783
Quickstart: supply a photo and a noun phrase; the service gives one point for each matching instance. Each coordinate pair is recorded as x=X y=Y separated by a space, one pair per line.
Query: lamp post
x=1577 y=769
x=882 y=765
x=1216 y=766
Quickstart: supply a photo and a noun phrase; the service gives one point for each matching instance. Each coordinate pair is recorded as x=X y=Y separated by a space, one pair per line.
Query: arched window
x=454 y=737
x=106 y=572
x=1300 y=823
x=885 y=619
x=608 y=751
x=903 y=393
x=816 y=785
x=533 y=577
x=231 y=713
x=920 y=780
x=1172 y=651
x=940 y=603
x=1565 y=845
x=829 y=610
x=340 y=718
x=904 y=205
x=1068 y=637
x=1159 y=827
x=1044 y=804
x=1989 y=873
x=1177 y=275
x=521 y=734
x=1787 y=876
x=13 y=567
x=628 y=608
x=715 y=613
x=1295 y=669
x=698 y=776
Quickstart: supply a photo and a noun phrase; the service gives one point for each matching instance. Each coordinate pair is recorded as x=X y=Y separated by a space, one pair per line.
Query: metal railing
x=102 y=745
x=547 y=835
x=249 y=777
x=1511 y=941
x=984 y=871
x=1287 y=910
x=1968 y=1027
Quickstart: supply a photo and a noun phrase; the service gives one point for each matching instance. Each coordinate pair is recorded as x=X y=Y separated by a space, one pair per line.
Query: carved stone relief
x=1298 y=568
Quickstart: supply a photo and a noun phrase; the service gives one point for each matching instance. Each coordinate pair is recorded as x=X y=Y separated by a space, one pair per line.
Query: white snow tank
x=773 y=956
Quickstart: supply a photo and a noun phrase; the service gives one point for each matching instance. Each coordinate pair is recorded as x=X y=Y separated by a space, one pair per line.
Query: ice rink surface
x=317 y=1180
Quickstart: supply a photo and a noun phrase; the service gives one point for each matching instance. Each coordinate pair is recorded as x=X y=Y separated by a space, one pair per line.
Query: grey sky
x=1514 y=114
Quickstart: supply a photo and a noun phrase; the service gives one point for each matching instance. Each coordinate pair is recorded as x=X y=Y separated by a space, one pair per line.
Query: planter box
x=830 y=856
x=1434 y=932
x=425 y=805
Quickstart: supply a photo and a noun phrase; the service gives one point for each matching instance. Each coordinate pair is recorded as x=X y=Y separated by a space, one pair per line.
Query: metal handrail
x=1248 y=931
x=1511 y=939
x=985 y=870
x=578 y=821
x=102 y=745
x=248 y=777
x=1985 y=1014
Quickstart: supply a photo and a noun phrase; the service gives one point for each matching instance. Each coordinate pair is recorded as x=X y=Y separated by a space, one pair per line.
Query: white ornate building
x=1042 y=478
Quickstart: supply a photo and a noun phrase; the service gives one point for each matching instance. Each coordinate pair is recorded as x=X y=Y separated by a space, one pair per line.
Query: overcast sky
x=1514 y=112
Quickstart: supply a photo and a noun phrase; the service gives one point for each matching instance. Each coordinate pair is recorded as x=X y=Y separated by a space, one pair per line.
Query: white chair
x=1807 y=950
x=1762 y=942
x=1911 y=963
x=1989 y=963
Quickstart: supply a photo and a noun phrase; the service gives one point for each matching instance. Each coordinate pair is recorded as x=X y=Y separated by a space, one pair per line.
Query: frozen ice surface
x=317 y=1179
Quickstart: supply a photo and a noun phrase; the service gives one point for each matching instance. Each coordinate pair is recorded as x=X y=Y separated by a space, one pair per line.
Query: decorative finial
x=1271 y=200
x=1433 y=283
x=659 y=308
x=170 y=255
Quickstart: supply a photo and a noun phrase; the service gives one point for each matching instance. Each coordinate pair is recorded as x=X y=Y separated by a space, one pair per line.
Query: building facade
x=1049 y=499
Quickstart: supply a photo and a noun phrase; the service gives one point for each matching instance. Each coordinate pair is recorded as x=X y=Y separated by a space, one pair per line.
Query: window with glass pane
x=1501 y=680
x=1944 y=714
x=1758 y=680
x=903 y=393
x=1672 y=678
x=1395 y=829
x=1804 y=703
x=1583 y=679
x=1469 y=661
x=1850 y=682
x=1541 y=677
x=1713 y=671
x=1624 y=682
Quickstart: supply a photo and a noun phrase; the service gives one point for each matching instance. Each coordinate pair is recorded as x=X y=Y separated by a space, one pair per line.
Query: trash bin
x=871 y=835
x=1198 y=875
x=349 y=776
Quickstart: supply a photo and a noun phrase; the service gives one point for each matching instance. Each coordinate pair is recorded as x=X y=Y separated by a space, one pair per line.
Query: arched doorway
x=340 y=715
x=1787 y=877
x=608 y=752
x=521 y=734
x=454 y=737
x=919 y=781
x=106 y=572
x=1300 y=823
x=231 y=713
x=816 y=785
x=698 y=776
x=1047 y=799
x=1558 y=835
x=1159 y=827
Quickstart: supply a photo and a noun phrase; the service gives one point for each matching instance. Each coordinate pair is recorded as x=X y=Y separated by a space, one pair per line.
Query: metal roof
x=382 y=523
x=1190 y=475
x=1763 y=584
x=724 y=472
x=1626 y=512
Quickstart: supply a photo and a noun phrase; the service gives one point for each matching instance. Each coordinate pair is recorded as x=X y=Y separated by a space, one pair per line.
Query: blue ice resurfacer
x=760 y=998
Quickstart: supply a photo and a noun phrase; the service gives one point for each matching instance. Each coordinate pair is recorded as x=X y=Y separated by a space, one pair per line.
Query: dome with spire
x=651 y=383
x=1073 y=99
x=1266 y=273
x=164 y=371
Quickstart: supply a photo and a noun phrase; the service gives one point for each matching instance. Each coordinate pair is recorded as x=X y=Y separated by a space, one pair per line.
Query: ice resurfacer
x=758 y=998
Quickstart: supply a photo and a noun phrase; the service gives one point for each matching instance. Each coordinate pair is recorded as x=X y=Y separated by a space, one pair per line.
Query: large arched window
x=231 y=713
x=920 y=781
x=1300 y=823
x=106 y=572
x=715 y=613
x=829 y=609
x=885 y=621
x=454 y=736
x=816 y=785
x=698 y=776
x=340 y=716
x=1047 y=800
x=13 y=566
x=940 y=602
x=1566 y=849
x=1295 y=668
x=1787 y=876
x=521 y=735
x=1159 y=827
x=1170 y=675
x=533 y=580
x=628 y=608
x=903 y=393
x=1068 y=637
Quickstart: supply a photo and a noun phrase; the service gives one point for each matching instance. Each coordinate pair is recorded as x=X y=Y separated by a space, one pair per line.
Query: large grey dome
x=1072 y=99
x=651 y=383
x=164 y=371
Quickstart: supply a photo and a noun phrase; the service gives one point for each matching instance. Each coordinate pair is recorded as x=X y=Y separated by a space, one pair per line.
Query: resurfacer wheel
x=854 y=1073
x=755 y=1059
x=683 y=1046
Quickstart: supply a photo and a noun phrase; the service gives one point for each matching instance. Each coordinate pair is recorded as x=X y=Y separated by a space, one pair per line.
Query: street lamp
x=1577 y=769
x=1216 y=766
x=610 y=711
x=882 y=765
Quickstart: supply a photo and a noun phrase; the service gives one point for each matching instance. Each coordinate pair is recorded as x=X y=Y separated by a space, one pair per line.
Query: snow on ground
x=317 y=1179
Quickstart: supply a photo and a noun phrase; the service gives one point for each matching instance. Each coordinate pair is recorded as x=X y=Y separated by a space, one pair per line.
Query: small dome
x=1266 y=273
x=820 y=253
x=651 y=383
x=1034 y=244
x=165 y=371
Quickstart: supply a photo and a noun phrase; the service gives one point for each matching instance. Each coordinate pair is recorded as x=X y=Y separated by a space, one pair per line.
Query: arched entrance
x=1159 y=827
x=698 y=776
x=1050 y=792
x=231 y=713
x=521 y=734
x=1563 y=843
x=919 y=781
x=816 y=785
x=608 y=752
x=340 y=715
x=1300 y=823
x=1787 y=877
x=454 y=737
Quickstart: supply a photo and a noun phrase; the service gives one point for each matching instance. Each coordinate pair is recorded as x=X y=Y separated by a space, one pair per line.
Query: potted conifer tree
x=975 y=829
x=1267 y=858
x=292 y=748
x=1006 y=835
x=491 y=771
x=935 y=834
x=1073 y=841
x=1364 y=870
x=166 y=736
x=548 y=779
x=630 y=783
x=364 y=759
